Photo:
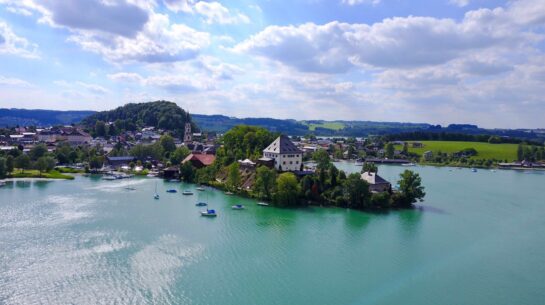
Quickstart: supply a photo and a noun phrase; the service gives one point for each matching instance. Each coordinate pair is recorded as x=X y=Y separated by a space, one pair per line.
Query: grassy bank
x=484 y=150
x=36 y=174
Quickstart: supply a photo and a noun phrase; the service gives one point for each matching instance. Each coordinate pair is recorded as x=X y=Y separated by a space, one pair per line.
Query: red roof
x=205 y=159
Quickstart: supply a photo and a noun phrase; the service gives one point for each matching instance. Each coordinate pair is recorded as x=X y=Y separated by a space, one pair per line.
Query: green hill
x=484 y=150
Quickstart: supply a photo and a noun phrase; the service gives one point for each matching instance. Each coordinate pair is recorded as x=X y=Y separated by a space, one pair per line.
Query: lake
x=479 y=238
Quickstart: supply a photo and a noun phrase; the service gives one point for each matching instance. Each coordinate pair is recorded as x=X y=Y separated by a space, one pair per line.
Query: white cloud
x=399 y=42
x=75 y=87
x=12 y=44
x=19 y=11
x=179 y=5
x=121 y=31
x=215 y=12
x=356 y=2
x=8 y=81
x=460 y=3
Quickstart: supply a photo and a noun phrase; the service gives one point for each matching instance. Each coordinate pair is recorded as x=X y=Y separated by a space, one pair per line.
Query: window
x=284 y=162
x=291 y=162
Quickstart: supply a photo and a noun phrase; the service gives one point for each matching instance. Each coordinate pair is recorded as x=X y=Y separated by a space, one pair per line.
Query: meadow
x=484 y=150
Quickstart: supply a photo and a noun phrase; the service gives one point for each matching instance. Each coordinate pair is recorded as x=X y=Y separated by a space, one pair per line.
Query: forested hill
x=222 y=123
x=160 y=114
x=33 y=117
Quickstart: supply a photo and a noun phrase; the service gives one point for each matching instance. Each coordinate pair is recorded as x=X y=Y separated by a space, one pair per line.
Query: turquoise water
x=479 y=238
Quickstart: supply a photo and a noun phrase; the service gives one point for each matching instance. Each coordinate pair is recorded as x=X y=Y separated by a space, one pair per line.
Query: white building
x=287 y=157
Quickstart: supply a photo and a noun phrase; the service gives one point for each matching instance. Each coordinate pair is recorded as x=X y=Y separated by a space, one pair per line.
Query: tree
x=356 y=191
x=287 y=193
x=10 y=164
x=95 y=162
x=22 y=162
x=405 y=149
x=265 y=182
x=233 y=176
x=380 y=200
x=390 y=150
x=3 y=168
x=321 y=157
x=333 y=173
x=179 y=155
x=410 y=188
x=100 y=129
x=369 y=167
x=520 y=152
x=37 y=152
x=167 y=142
x=187 y=172
x=45 y=164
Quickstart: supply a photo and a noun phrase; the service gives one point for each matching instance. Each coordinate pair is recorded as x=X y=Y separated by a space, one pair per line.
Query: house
x=377 y=184
x=247 y=163
x=200 y=160
x=119 y=161
x=75 y=136
x=428 y=155
x=287 y=157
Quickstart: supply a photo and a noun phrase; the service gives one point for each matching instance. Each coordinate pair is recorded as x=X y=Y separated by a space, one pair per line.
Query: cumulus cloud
x=213 y=12
x=121 y=31
x=395 y=42
x=12 y=44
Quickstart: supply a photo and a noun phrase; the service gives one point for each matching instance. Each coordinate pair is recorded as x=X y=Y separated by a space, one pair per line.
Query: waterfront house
x=116 y=162
x=199 y=160
x=286 y=156
x=377 y=184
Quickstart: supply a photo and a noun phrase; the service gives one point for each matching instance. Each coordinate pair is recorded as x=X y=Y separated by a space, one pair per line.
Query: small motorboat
x=172 y=191
x=201 y=204
x=237 y=207
x=174 y=180
x=408 y=164
x=263 y=204
x=109 y=178
x=187 y=192
x=474 y=170
x=200 y=188
x=228 y=193
x=156 y=196
x=130 y=188
x=209 y=213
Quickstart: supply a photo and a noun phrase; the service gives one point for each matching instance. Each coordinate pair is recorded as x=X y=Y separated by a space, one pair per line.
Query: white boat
x=174 y=180
x=237 y=207
x=186 y=192
x=200 y=188
x=109 y=178
x=156 y=196
x=228 y=193
x=263 y=204
x=209 y=213
x=408 y=164
x=474 y=170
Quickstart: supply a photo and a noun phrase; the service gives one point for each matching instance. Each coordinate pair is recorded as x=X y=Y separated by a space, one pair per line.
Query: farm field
x=485 y=150
x=327 y=125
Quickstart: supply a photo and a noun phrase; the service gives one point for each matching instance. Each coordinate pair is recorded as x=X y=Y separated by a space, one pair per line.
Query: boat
x=408 y=164
x=263 y=204
x=187 y=192
x=2 y=183
x=209 y=213
x=228 y=193
x=237 y=207
x=172 y=191
x=200 y=188
x=201 y=204
x=156 y=196
x=358 y=163
x=130 y=188
x=109 y=178
x=174 y=180
x=474 y=170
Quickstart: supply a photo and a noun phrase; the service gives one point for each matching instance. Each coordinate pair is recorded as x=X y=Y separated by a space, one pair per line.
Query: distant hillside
x=32 y=117
x=221 y=123
x=159 y=114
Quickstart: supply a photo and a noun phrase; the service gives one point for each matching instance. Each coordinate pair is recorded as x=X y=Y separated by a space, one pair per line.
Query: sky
x=442 y=61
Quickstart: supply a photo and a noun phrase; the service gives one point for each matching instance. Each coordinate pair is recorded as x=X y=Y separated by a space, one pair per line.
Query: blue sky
x=442 y=61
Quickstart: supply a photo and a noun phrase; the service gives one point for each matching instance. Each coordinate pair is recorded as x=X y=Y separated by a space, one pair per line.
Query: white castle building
x=287 y=157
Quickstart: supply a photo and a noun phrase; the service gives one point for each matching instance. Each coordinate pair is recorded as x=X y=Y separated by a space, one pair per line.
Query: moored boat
x=172 y=191
x=187 y=192
x=263 y=204
x=200 y=188
x=228 y=193
x=237 y=207
x=209 y=213
x=201 y=204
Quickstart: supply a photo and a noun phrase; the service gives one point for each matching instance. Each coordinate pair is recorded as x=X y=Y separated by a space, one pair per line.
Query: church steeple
x=188 y=133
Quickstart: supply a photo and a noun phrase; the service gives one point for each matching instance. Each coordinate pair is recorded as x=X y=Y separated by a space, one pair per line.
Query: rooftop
x=282 y=145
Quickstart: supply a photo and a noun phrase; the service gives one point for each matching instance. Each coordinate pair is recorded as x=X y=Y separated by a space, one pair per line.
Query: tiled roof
x=373 y=178
x=205 y=159
x=282 y=145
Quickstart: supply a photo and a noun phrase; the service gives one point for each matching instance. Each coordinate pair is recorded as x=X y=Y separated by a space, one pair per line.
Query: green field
x=326 y=125
x=32 y=173
x=484 y=150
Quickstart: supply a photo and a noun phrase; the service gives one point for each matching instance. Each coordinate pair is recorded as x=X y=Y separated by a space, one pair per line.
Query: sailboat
x=156 y=196
x=209 y=212
x=201 y=203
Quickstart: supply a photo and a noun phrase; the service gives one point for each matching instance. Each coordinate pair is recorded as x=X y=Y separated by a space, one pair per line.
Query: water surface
x=477 y=239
